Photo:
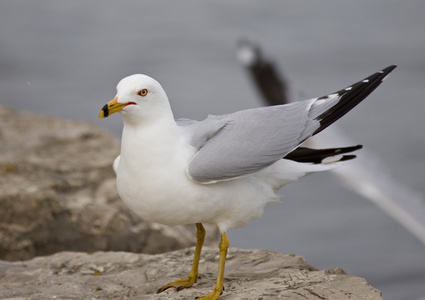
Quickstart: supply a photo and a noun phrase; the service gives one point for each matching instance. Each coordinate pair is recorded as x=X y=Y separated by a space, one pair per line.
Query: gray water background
x=64 y=59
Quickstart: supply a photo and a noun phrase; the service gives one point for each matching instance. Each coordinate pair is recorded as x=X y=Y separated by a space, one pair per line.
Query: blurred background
x=64 y=59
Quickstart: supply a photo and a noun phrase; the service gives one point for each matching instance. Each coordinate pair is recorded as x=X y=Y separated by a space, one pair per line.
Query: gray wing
x=245 y=142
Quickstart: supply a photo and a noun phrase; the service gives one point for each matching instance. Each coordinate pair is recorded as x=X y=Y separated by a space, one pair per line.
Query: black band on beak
x=105 y=111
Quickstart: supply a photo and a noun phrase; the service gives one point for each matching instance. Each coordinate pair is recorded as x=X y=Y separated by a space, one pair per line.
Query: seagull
x=224 y=169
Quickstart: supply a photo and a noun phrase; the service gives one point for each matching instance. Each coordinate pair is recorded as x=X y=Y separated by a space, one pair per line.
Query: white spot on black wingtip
x=349 y=88
x=381 y=72
x=366 y=81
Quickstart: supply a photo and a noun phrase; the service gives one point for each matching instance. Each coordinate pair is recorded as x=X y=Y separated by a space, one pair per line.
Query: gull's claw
x=213 y=296
x=180 y=284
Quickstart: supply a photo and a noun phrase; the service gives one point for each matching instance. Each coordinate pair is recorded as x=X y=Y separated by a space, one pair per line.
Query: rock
x=250 y=274
x=57 y=193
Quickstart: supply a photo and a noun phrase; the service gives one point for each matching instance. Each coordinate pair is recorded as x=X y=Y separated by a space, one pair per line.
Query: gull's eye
x=143 y=92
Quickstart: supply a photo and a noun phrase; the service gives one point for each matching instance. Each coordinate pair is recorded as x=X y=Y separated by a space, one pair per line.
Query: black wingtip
x=317 y=156
x=389 y=69
x=369 y=84
x=351 y=96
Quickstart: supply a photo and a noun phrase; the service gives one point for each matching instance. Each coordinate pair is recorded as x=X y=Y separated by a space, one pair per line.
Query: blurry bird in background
x=368 y=177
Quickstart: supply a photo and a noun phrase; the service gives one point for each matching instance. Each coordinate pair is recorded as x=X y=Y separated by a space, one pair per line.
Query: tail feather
x=318 y=156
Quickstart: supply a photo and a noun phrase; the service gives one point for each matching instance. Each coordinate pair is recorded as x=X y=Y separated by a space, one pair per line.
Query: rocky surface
x=57 y=193
x=250 y=274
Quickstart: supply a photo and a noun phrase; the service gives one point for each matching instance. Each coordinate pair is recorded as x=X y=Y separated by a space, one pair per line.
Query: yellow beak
x=111 y=107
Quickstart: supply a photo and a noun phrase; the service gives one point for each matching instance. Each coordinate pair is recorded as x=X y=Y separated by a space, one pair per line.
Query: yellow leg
x=193 y=275
x=218 y=289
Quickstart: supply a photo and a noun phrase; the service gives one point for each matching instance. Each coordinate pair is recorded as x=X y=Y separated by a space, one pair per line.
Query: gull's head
x=137 y=96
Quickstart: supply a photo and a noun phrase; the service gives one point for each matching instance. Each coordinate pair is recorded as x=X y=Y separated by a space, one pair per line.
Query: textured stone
x=57 y=193
x=250 y=274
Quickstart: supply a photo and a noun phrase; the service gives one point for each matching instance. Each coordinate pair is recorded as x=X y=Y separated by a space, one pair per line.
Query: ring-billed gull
x=224 y=169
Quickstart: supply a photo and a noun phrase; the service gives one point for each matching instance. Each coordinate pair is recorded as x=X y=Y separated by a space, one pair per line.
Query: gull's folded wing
x=247 y=141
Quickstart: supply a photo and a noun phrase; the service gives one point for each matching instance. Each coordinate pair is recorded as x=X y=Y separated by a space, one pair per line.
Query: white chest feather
x=151 y=177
